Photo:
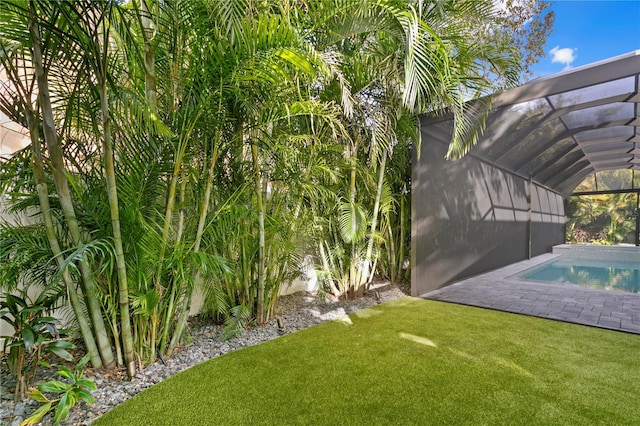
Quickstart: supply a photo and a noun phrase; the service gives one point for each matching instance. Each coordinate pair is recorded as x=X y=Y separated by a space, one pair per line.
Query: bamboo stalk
x=112 y=193
x=374 y=221
x=261 y=242
x=204 y=211
x=64 y=195
x=43 y=197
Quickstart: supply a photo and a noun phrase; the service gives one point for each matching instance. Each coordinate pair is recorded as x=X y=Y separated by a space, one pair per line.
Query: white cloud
x=565 y=55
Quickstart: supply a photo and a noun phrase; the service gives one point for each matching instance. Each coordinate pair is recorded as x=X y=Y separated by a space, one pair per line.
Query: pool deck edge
x=499 y=290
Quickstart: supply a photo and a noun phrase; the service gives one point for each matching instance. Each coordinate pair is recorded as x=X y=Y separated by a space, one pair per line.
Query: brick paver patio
x=615 y=310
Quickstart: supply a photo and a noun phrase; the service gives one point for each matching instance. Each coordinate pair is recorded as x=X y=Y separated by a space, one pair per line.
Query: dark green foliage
x=191 y=146
x=601 y=219
x=74 y=389
x=34 y=335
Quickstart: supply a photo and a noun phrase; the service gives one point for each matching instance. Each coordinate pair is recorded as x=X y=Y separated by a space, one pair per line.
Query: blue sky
x=589 y=31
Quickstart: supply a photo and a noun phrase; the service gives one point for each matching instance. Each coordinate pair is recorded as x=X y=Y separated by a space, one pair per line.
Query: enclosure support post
x=529 y=214
x=637 y=219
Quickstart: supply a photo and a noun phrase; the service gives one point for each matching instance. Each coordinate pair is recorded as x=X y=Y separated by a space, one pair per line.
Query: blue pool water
x=608 y=275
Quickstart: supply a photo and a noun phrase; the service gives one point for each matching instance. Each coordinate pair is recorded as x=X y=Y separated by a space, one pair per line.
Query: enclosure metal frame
x=549 y=134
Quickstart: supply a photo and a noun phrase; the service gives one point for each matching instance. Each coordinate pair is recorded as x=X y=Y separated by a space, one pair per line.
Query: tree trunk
x=261 y=242
x=151 y=94
x=354 y=270
x=150 y=84
x=204 y=211
x=391 y=247
x=403 y=225
x=112 y=193
x=169 y=314
x=43 y=197
x=327 y=267
x=181 y=198
x=374 y=220
x=64 y=195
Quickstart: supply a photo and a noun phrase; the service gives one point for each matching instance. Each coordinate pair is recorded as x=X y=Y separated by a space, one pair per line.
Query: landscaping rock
x=18 y=410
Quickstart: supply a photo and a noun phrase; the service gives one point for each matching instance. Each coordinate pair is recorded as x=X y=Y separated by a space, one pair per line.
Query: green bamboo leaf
x=36 y=395
x=37 y=415
x=28 y=337
x=85 y=395
x=160 y=127
x=83 y=361
x=62 y=344
x=65 y=372
x=62 y=353
x=66 y=403
x=53 y=386
x=296 y=59
x=36 y=309
x=43 y=320
x=13 y=301
x=87 y=383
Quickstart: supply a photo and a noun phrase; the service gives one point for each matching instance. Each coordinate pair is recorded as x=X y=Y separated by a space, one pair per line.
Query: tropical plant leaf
x=65 y=372
x=62 y=353
x=353 y=222
x=62 y=344
x=87 y=383
x=38 y=396
x=53 y=386
x=38 y=414
x=238 y=320
x=83 y=361
x=85 y=395
x=52 y=329
x=66 y=403
x=28 y=337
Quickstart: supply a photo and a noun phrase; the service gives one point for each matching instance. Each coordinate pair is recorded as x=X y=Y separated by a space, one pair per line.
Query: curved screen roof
x=559 y=129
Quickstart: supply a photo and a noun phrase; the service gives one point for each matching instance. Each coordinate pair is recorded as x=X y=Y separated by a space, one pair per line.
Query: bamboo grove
x=219 y=147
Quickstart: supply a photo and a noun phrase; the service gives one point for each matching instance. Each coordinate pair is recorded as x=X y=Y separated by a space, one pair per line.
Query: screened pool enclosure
x=504 y=201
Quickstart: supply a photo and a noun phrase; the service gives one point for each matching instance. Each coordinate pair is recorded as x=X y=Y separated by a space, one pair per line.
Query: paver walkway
x=615 y=310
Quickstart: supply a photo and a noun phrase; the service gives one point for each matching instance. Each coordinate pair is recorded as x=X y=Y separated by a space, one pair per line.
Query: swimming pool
x=594 y=273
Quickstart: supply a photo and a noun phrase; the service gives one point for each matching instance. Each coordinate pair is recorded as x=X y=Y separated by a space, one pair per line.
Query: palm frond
x=353 y=221
x=25 y=256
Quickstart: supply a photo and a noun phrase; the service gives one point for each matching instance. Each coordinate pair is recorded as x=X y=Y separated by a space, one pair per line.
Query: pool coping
x=500 y=290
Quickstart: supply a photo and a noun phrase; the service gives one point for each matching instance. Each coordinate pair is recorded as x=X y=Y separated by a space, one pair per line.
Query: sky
x=587 y=31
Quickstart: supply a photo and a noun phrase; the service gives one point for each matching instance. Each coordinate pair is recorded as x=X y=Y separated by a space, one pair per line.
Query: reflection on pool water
x=602 y=274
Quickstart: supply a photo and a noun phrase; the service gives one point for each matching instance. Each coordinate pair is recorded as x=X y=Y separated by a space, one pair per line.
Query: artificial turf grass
x=409 y=361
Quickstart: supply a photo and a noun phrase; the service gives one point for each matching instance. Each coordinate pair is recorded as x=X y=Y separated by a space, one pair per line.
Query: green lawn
x=409 y=361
